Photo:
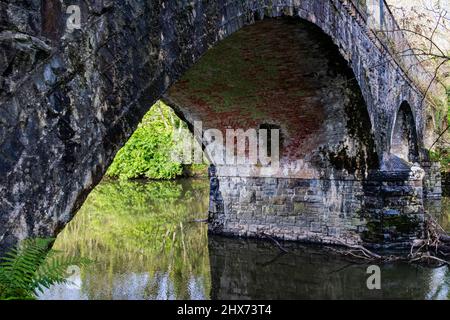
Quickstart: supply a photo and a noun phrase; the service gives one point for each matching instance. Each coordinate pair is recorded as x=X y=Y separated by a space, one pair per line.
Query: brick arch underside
x=287 y=73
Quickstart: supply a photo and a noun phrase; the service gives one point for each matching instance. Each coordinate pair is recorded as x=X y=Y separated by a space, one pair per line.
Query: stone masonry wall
x=432 y=188
x=291 y=209
x=385 y=210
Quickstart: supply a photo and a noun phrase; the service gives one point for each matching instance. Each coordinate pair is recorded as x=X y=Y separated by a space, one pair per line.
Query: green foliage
x=442 y=153
x=30 y=267
x=147 y=154
x=448 y=105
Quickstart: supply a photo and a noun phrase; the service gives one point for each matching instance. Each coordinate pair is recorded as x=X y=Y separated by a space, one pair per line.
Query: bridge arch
x=287 y=72
x=404 y=139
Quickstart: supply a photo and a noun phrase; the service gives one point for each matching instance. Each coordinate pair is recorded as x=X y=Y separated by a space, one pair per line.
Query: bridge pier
x=432 y=184
x=385 y=209
x=393 y=207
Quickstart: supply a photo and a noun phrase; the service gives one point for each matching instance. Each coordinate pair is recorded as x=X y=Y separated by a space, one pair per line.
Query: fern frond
x=54 y=271
x=31 y=267
x=19 y=265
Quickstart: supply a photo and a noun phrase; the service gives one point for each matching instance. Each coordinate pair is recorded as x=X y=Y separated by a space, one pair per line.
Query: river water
x=145 y=242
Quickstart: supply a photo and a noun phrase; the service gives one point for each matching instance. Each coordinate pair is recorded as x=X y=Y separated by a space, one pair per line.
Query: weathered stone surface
x=70 y=100
x=323 y=211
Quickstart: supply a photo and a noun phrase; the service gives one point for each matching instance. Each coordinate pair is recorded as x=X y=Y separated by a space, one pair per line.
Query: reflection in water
x=440 y=210
x=243 y=269
x=143 y=241
x=145 y=246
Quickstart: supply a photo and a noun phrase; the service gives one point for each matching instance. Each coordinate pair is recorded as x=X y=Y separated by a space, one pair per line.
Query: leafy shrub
x=441 y=155
x=30 y=267
x=147 y=154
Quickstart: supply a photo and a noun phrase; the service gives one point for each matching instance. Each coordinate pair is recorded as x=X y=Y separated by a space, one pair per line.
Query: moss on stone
x=392 y=227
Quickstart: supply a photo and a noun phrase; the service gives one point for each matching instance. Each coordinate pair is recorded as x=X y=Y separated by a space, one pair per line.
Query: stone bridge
x=351 y=115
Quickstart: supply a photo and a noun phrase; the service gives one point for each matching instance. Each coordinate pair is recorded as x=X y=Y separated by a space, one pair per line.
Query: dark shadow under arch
x=404 y=143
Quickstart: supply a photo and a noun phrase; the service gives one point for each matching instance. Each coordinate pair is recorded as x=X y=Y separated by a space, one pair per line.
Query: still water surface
x=146 y=244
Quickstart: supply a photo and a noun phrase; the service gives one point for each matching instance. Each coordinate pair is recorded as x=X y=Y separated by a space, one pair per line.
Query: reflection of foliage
x=444 y=220
x=148 y=152
x=30 y=267
x=142 y=228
